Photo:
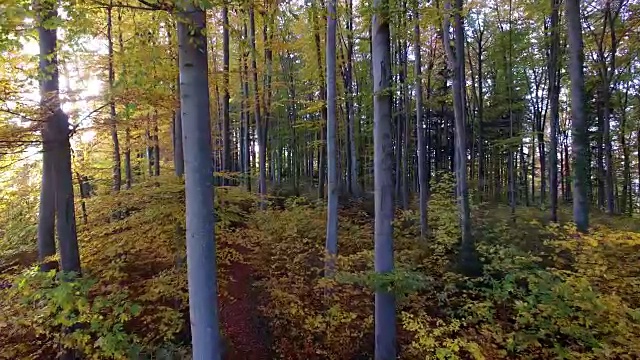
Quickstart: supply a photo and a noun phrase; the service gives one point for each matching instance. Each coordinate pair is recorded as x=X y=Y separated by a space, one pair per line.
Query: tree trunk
x=226 y=139
x=580 y=141
x=554 y=104
x=420 y=132
x=127 y=132
x=332 y=159
x=113 y=121
x=256 y=110
x=201 y=250
x=47 y=210
x=468 y=261
x=247 y=112
x=354 y=188
x=321 y=155
x=385 y=304
x=178 y=151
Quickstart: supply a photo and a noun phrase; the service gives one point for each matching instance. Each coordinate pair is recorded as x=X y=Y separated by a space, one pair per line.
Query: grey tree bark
x=113 y=120
x=332 y=158
x=354 y=188
x=226 y=139
x=262 y=177
x=57 y=136
x=178 y=150
x=580 y=141
x=455 y=62
x=47 y=208
x=385 y=303
x=246 y=109
x=127 y=132
x=200 y=232
x=422 y=146
x=554 y=107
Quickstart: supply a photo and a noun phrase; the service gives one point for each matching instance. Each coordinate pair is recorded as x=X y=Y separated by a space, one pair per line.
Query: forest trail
x=246 y=337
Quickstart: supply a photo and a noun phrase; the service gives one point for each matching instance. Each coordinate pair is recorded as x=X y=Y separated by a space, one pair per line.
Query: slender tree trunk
x=354 y=188
x=256 y=108
x=385 y=304
x=511 y=165
x=247 y=110
x=201 y=249
x=113 y=120
x=554 y=103
x=127 y=159
x=332 y=126
x=420 y=132
x=127 y=132
x=321 y=154
x=156 y=146
x=481 y=156
x=226 y=139
x=580 y=141
x=456 y=63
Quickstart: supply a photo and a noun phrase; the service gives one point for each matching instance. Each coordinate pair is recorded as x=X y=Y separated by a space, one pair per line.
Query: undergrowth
x=546 y=291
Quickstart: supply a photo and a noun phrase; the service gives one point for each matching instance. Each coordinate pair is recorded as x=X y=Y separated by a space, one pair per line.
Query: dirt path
x=247 y=338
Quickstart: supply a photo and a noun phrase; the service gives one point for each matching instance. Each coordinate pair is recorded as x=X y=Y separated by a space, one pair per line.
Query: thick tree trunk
x=385 y=304
x=201 y=250
x=580 y=141
x=57 y=136
x=47 y=210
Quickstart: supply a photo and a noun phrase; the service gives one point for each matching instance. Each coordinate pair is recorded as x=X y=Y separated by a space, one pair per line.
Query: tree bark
x=113 y=120
x=554 y=104
x=226 y=139
x=468 y=262
x=580 y=141
x=420 y=129
x=256 y=108
x=385 y=313
x=201 y=250
x=332 y=158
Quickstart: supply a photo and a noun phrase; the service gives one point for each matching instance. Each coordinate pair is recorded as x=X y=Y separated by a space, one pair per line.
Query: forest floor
x=245 y=331
x=545 y=292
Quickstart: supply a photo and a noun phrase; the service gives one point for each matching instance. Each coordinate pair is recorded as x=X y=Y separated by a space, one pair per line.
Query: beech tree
x=201 y=249
x=385 y=303
x=580 y=142
x=332 y=205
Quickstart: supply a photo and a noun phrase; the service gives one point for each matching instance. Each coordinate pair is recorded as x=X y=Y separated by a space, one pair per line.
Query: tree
x=201 y=250
x=113 y=120
x=332 y=158
x=226 y=140
x=455 y=61
x=56 y=137
x=554 y=101
x=580 y=143
x=420 y=128
x=385 y=303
